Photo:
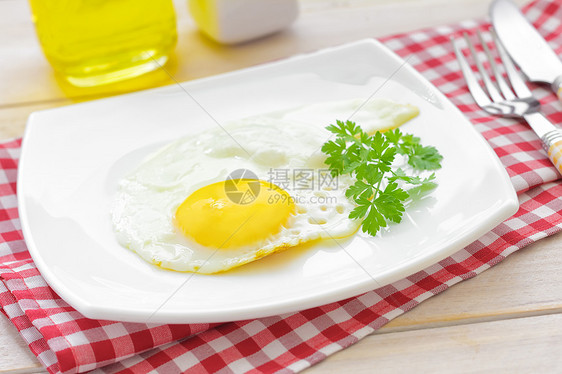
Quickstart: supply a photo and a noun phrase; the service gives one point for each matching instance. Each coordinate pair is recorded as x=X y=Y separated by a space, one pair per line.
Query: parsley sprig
x=378 y=190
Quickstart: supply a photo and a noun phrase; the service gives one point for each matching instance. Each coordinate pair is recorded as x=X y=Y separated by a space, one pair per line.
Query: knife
x=526 y=46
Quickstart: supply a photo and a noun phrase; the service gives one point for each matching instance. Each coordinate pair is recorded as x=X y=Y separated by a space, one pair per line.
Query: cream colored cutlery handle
x=555 y=155
x=552 y=142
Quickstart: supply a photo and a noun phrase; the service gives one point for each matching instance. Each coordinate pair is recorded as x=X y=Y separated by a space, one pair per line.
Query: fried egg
x=213 y=201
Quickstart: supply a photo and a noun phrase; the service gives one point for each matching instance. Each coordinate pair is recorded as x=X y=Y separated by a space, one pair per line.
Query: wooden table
x=508 y=319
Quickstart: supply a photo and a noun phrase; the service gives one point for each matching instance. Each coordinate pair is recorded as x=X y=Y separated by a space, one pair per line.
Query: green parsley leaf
x=359 y=188
x=373 y=222
x=390 y=202
x=377 y=191
x=424 y=158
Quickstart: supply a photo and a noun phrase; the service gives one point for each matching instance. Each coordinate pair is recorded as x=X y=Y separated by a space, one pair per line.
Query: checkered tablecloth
x=65 y=341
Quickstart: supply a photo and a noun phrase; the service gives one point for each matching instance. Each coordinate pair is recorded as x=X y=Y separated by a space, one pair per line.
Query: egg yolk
x=222 y=216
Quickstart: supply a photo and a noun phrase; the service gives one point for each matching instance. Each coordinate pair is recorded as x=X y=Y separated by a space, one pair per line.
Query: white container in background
x=236 y=21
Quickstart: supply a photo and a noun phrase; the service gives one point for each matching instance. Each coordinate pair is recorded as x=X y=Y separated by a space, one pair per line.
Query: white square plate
x=73 y=157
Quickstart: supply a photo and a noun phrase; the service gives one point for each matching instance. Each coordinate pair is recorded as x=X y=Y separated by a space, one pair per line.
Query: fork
x=502 y=100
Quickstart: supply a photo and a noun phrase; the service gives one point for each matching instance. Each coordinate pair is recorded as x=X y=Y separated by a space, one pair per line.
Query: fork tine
x=492 y=90
x=477 y=92
x=504 y=87
x=516 y=81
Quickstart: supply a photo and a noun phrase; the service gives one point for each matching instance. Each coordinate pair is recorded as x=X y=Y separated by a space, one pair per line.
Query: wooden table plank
x=527 y=283
x=524 y=345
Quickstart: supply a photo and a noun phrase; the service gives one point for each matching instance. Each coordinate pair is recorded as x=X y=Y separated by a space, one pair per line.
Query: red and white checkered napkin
x=65 y=341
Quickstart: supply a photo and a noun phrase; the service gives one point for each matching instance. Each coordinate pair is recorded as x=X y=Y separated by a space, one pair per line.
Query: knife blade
x=525 y=45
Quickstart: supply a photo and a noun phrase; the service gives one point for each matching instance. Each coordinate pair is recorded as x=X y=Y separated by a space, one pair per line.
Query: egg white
x=147 y=198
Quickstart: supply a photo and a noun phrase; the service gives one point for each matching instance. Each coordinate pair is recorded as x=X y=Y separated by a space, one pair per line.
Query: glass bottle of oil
x=94 y=42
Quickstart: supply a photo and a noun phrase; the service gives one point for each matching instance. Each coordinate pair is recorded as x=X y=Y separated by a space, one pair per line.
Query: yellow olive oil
x=93 y=42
